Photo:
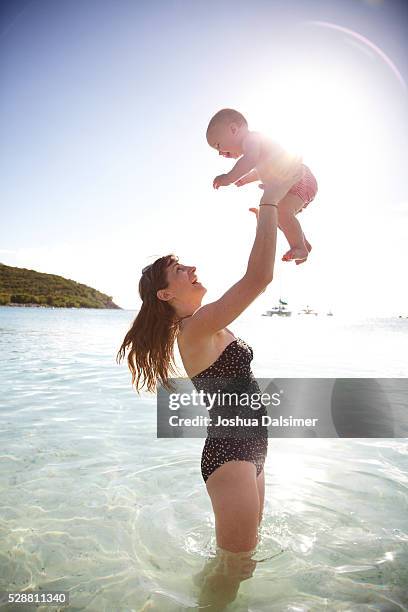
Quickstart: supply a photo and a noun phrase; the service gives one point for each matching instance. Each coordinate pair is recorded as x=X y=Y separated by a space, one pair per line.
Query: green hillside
x=22 y=286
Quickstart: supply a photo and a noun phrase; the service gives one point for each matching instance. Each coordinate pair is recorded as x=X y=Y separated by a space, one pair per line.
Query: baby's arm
x=252 y=150
x=248 y=178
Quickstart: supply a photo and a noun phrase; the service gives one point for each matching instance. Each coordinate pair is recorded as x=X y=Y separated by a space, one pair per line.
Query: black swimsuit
x=231 y=373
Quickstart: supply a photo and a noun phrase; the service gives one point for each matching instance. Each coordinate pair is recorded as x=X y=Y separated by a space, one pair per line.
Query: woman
x=172 y=310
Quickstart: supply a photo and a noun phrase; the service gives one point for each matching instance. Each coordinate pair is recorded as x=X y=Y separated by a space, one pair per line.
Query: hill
x=23 y=286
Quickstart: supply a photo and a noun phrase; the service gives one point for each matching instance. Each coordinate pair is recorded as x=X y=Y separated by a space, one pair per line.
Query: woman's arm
x=215 y=316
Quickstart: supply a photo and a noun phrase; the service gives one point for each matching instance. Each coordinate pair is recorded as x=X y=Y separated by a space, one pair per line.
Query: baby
x=263 y=159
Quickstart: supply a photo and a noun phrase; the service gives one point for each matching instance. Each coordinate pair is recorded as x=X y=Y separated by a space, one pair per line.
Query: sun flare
x=334 y=115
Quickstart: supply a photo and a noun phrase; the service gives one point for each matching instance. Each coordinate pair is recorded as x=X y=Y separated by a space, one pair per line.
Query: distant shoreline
x=18 y=286
x=31 y=305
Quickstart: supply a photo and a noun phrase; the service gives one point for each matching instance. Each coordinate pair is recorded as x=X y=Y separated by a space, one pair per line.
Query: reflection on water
x=92 y=502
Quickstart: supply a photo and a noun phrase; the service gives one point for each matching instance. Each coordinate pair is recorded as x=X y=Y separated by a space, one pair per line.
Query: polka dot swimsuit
x=231 y=373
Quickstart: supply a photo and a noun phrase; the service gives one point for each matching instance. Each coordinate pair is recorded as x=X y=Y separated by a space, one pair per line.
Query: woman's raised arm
x=215 y=316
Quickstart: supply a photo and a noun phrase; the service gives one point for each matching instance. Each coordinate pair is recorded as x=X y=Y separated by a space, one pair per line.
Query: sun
x=332 y=107
x=328 y=125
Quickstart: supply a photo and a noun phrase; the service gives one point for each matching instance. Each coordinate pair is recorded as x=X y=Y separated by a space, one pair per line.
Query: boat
x=280 y=311
x=308 y=311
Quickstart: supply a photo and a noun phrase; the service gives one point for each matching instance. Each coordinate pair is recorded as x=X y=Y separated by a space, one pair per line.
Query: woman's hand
x=255 y=209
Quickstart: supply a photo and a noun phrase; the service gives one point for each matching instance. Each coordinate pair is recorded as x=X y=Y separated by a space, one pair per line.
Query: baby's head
x=226 y=132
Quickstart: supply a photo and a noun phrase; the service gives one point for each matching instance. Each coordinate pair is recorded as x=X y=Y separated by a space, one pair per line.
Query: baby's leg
x=288 y=207
x=309 y=248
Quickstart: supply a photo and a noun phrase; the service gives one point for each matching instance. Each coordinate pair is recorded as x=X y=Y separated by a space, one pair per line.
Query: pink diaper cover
x=306 y=188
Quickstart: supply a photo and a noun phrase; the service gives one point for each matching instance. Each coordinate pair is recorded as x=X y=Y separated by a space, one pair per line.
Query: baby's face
x=226 y=139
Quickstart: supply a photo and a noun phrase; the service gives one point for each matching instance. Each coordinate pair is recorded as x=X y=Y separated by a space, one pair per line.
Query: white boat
x=280 y=311
x=308 y=311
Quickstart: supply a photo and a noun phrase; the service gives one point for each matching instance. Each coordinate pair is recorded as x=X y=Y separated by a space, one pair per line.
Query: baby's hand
x=221 y=181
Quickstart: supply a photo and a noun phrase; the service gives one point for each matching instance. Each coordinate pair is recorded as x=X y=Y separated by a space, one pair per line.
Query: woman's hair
x=151 y=338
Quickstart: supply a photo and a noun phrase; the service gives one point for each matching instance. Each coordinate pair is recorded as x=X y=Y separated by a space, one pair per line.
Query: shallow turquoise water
x=92 y=502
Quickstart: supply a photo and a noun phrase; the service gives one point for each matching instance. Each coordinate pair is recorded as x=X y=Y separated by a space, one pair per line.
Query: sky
x=104 y=163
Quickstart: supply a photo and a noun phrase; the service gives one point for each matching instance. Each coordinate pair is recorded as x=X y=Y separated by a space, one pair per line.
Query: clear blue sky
x=103 y=159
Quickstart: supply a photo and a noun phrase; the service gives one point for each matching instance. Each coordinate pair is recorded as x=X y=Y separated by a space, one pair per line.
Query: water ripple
x=94 y=503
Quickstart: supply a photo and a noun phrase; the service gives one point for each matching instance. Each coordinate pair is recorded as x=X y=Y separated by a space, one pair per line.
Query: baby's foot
x=296 y=253
x=309 y=248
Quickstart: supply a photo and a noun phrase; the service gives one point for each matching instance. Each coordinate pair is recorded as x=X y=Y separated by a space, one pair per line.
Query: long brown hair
x=151 y=338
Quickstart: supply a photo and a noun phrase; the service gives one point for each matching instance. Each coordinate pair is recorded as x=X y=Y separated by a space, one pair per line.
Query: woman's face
x=183 y=283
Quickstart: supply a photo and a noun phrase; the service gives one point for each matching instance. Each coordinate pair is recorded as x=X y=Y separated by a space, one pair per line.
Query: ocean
x=94 y=504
